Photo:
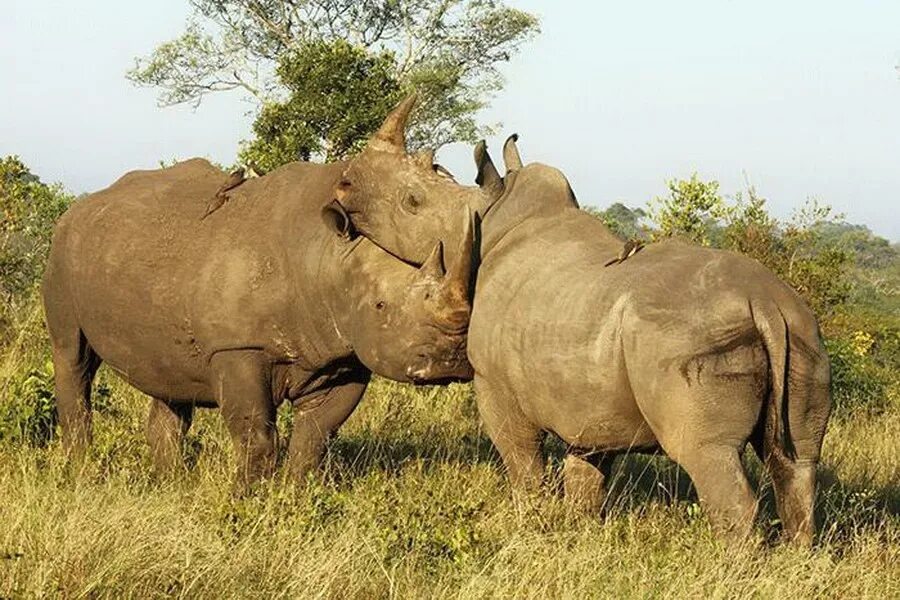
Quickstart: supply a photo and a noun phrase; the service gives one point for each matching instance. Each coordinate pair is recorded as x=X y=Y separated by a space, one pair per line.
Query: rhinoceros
x=686 y=349
x=267 y=298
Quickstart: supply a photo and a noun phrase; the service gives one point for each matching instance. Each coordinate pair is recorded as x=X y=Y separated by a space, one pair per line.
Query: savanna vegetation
x=412 y=502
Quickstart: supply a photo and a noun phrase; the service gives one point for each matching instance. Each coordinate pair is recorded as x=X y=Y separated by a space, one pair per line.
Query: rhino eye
x=379 y=305
x=411 y=203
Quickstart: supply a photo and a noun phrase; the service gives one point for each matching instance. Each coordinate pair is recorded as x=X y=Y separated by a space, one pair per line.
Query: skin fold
x=685 y=349
x=263 y=300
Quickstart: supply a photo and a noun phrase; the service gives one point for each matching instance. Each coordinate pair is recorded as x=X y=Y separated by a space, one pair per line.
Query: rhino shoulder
x=547 y=183
x=189 y=169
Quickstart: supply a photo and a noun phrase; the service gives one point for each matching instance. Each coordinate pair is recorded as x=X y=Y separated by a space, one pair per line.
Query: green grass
x=412 y=503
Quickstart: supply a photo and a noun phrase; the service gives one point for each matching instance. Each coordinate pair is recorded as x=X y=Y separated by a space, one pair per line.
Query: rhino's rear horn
x=487 y=178
x=433 y=267
x=511 y=157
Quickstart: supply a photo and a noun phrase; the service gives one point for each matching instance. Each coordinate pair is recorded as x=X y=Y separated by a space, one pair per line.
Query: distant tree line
x=849 y=276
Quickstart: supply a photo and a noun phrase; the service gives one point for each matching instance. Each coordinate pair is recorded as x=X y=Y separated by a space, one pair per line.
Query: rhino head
x=403 y=202
x=406 y=323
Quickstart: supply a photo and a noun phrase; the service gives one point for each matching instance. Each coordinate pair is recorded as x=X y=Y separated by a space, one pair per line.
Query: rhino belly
x=586 y=402
x=149 y=353
x=132 y=295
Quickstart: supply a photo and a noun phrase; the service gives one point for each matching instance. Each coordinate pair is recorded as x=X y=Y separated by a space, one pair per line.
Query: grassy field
x=413 y=504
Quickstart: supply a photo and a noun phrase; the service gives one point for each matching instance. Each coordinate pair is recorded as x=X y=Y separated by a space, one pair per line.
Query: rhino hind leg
x=721 y=481
x=74 y=364
x=242 y=381
x=794 y=477
x=167 y=424
x=316 y=419
x=517 y=439
x=795 y=492
x=585 y=477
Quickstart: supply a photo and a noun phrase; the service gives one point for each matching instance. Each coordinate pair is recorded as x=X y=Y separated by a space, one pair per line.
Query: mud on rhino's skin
x=267 y=298
x=691 y=350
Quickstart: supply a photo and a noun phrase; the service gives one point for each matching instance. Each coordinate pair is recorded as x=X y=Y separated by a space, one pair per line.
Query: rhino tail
x=773 y=329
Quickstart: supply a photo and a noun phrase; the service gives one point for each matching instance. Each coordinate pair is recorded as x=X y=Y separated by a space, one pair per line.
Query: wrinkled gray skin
x=264 y=300
x=686 y=349
x=391 y=201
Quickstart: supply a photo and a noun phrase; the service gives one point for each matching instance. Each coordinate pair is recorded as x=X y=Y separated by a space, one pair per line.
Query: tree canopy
x=448 y=50
x=360 y=91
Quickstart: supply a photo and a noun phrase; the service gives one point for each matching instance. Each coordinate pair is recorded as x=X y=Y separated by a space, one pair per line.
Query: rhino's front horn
x=391 y=136
x=455 y=287
x=488 y=179
x=511 y=157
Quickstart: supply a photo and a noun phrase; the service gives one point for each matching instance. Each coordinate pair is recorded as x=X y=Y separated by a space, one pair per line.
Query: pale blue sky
x=802 y=96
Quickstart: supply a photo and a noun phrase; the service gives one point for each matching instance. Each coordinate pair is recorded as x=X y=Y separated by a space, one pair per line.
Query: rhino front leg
x=585 y=475
x=243 y=390
x=167 y=425
x=516 y=438
x=316 y=419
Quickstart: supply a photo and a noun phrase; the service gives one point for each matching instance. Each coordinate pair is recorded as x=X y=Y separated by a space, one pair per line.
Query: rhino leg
x=316 y=420
x=584 y=477
x=74 y=364
x=72 y=383
x=166 y=426
x=242 y=382
x=722 y=485
x=517 y=439
x=794 y=478
x=795 y=494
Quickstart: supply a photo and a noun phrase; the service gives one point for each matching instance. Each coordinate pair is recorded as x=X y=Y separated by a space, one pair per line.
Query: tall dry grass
x=412 y=503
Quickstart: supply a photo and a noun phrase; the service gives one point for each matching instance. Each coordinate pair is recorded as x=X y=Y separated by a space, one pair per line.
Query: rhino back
x=157 y=290
x=569 y=337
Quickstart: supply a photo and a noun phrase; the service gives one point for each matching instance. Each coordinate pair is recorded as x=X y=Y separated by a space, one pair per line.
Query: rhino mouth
x=439 y=372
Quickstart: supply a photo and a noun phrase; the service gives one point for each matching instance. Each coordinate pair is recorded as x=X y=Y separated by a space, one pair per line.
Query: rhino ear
x=488 y=179
x=337 y=220
x=443 y=172
x=511 y=156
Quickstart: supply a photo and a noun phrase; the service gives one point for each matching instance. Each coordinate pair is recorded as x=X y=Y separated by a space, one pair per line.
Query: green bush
x=28 y=411
x=28 y=210
x=865 y=360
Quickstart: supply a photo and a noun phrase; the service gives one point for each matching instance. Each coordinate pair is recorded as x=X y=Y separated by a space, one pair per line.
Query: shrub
x=28 y=412
x=28 y=210
x=865 y=360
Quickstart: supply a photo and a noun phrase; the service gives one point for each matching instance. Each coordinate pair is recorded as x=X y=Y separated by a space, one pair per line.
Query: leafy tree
x=29 y=210
x=623 y=221
x=691 y=210
x=360 y=89
x=798 y=252
x=449 y=50
x=870 y=250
